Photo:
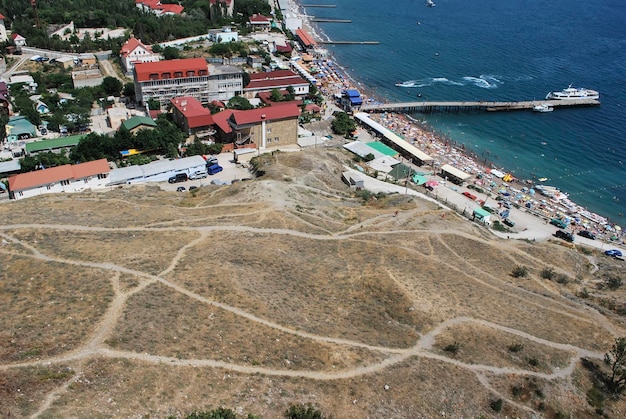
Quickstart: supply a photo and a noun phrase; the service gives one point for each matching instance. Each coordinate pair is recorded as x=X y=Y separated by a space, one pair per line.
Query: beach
x=525 y=194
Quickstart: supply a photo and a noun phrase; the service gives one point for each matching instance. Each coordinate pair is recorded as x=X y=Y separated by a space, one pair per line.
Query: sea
x=506 y=51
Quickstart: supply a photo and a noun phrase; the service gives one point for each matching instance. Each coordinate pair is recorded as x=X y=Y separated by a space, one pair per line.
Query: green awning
x=419 y=179
x=382 y=148
x=481 y=213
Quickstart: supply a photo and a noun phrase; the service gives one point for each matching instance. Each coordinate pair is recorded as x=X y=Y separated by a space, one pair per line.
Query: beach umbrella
x=531 y=191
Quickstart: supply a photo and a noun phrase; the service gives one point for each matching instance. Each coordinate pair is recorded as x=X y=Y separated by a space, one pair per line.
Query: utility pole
x=37 y=22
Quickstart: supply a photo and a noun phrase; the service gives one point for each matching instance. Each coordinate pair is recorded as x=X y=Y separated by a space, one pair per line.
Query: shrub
x=533 y=362
x=516 y=347
x=496 y=405
x=517 y=389
x=302 y=411
x=520 y=271
x=562 y=279
x=613 y=282
x=453 y=348
x=583 y=293
x=547 y=273
x=595 y=398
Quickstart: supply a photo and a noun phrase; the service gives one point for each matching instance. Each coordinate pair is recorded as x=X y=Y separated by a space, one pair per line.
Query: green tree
x=240 y=103
x=615 y=359
x=129 y=90
x=111 y=86
x=342 y=124
x=276 y=96
x=171 y=53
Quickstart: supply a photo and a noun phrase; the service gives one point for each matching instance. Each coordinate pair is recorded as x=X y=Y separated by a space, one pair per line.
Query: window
x=102 y=176
x=65 y=182
x=276 y=139
x=269 y=130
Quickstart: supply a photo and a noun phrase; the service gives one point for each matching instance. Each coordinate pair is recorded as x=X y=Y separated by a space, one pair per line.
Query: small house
x=354 y=180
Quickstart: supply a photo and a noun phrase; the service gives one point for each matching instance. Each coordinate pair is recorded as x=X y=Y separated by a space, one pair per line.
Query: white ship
x=573 y=93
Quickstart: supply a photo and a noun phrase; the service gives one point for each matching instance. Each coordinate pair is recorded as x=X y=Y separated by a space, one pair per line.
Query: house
x=134 y=51
x=224 y=35
x=138 y=122
x=351 y=99
x=259 y=22
x=41 y=108
x=87 y=58
x=66 y=178
x=87 y=78
x=193 y=118
x=270 y=127
x=54 y=145
x=221 y=8
x=165 y=80
x=19 y=128
x=159 y=9
x=3 y=30
x=18 y=40
x=280 y=79
x=255 y=61
x=65 y=62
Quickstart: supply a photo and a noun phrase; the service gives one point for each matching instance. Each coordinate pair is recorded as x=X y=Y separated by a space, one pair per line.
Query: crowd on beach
x=334 y=79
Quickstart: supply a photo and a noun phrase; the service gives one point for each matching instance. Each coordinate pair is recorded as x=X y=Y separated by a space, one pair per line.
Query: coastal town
x=292 y=86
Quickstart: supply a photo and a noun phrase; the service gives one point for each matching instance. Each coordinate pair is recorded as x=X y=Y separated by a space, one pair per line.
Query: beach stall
x=453 y=174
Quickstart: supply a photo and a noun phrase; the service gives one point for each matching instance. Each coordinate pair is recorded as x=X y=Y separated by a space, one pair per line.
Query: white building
x=224 y=35
x=66 y=178
x=3 y=30
x=165 y=80
x=158 y=171
x=134 y=51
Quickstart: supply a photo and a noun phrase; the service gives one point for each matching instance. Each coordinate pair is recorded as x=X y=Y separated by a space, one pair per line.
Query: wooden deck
x=457 y=106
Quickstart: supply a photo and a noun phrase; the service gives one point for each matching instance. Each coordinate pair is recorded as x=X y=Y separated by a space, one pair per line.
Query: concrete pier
x=318 y=19
x=469 y=106
x=349 y=42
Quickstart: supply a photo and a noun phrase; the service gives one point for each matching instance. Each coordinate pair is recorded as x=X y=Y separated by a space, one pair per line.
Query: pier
x=319 y=19
x=348 y=42
x=469 y=106
x=327 y=6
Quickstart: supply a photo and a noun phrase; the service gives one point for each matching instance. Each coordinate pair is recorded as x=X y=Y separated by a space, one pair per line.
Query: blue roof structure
x=352 y=93
x=356 y=101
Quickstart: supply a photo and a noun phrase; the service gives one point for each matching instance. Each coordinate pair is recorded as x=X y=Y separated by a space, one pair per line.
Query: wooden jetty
x=469 y=106
x=349 y=42
x=319 y=19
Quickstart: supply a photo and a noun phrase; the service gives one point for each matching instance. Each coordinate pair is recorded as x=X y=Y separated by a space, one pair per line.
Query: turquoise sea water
x=503 y=50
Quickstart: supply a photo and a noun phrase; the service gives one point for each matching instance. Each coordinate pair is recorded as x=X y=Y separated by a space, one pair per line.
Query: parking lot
x=232 y=172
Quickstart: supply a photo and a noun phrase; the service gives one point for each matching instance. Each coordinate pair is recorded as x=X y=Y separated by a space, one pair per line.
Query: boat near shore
x=543 y=108
x=430 y=3
x=573 y=93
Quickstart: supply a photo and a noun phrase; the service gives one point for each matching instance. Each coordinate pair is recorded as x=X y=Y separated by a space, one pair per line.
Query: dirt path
x=423 y=348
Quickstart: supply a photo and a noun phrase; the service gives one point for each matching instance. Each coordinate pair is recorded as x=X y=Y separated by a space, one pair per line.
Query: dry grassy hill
x=138 y=302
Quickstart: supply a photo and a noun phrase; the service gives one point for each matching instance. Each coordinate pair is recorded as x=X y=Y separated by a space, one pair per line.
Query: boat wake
x=483 y=81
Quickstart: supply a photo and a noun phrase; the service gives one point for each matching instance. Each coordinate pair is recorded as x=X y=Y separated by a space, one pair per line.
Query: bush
x=516 y=347
x=547 y=273
x=496 y=405
x=562 y=279
x=453 y=348
x=613 y=282
x=583 y=293
x=302 y=411
x=520 y=271
x=533 y=362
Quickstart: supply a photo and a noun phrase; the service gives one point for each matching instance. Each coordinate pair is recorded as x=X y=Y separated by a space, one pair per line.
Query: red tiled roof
x=305 y=38
x=265 y=98
x=272 y=74
x=272 y=83
x=157 y=5
x=132 y=44
x=1 y=16
x=193 y=111
x=157 y=70
x=221 y=120
x=57 y=174
x=312 y=107
x=272 y=113
x=284 y=48
x=17 y=36
x=257 y=18
x=155 y=113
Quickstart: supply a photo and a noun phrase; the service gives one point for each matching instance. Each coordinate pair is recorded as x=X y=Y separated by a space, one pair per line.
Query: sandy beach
x=523 y=194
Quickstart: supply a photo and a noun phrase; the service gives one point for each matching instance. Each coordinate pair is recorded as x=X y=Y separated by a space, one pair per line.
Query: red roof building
x=259 y=21
x=268 y=127
x=280 y=79
x=134 y=51
x=66 y=178
x=159 y=9
x=305 y=39
x=191 y=116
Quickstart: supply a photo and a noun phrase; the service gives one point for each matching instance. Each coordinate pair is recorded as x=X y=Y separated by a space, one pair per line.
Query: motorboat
x=544 y=107
x=406 y=84
x=572 y=93
x=430 y=3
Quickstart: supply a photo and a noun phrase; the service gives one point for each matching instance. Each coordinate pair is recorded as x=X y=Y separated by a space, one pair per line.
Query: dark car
x=180 y=177
x=614 y=253
x=508 y=222
x=587 y=234
x=558 y=222
x=191 y=188
x=564 y=235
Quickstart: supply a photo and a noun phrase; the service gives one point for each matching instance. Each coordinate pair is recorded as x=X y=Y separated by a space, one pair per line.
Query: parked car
x=180 y=177
x=587 y=234
x=509 y=222
x=199 y=175
x=193 y=187
x=180 y=189
x=614 y=253
x=216 y=168
x=558 y=222
x=470 y=196
x=564 y=235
